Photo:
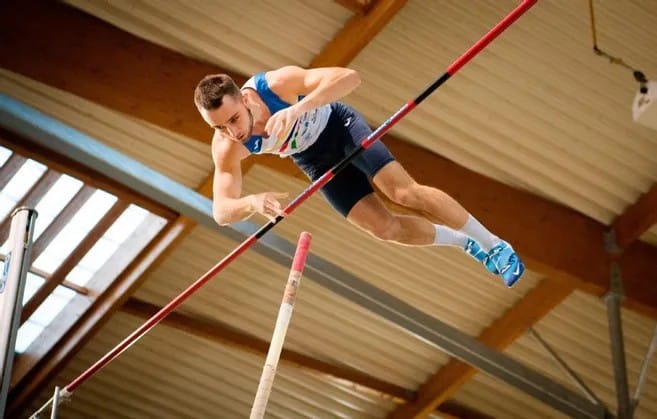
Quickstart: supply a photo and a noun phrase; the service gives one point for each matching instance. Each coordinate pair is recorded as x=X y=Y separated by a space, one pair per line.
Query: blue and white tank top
x=302 y=134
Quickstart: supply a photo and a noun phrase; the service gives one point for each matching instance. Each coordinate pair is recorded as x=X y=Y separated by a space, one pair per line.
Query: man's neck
x=259 y=110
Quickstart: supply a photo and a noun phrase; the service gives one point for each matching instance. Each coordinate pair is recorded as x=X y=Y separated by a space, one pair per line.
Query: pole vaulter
x=482 y=43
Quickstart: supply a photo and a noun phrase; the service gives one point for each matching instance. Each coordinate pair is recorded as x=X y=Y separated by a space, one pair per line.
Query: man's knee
x=407 y=196
x=386 y=230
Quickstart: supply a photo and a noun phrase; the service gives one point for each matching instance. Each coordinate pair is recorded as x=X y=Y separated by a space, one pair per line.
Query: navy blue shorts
x=344 y=131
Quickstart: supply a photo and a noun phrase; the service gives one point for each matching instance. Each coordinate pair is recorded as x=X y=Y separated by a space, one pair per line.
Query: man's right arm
x=228 y=206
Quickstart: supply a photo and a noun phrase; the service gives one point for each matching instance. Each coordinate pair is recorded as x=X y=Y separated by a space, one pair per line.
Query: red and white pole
x=282 y=323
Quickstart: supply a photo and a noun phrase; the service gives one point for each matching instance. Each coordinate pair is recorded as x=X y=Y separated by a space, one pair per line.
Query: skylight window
x=51 y=285
x=26 y=177
x=19 y=185
x=6 y=205
x=29 y=331
x=51 y=307
x=32 y=285
x=5 y=153
x=76 y=230
x=105 y=247
x=54 y=201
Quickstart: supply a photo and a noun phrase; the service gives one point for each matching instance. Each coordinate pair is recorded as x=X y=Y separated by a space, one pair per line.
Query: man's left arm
x=318 y=86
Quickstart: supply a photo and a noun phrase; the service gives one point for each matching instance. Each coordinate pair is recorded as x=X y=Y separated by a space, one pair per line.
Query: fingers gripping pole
x=311 y=189
x=282 y=322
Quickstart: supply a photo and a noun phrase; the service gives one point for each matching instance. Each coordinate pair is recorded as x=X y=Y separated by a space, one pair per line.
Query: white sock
x=478 y=232
x=445 y=236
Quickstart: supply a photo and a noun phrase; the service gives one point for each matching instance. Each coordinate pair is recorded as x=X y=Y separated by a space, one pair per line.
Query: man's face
x=233 y=119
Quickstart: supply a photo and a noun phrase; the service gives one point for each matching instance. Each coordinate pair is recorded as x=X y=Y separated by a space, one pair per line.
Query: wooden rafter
x=529 y=310
x=357 y=33
x=636 y=219
x=357 y=6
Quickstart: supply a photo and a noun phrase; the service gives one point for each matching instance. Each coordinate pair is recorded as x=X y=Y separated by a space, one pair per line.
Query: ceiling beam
x=50 y=42
x=636 y=219
x=538 y=302
x=357 y=6
x=73 y=54
x=357 y=33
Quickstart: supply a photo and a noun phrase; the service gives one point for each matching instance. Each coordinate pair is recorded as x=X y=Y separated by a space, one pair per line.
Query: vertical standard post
x=282 y=322
x=12 y=285
x=55 y=404
x=613 y=300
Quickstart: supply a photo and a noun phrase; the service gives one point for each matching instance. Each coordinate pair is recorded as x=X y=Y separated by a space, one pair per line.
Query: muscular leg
x=400 y=187
x=460 y=229
x=372 y=216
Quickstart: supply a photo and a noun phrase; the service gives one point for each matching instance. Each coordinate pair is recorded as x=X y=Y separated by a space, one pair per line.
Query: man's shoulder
x=284 y=82
x=282 y=75
x=221 y=146
x=225 y=150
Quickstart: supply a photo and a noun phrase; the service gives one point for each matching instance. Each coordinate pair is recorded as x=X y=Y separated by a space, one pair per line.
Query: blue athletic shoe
x=498 y=257
x=503 y=260
x=513 y=270
x=473 y=249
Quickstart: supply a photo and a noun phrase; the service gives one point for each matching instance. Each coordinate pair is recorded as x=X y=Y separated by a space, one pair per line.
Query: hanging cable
x=638 y=75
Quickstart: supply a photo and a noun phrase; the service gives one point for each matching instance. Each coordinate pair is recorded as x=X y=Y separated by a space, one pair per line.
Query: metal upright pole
x=613 y=299
x=12 y=285
x=55 y=404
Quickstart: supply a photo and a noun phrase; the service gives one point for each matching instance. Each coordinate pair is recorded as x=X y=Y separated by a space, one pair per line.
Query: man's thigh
x=348 y=187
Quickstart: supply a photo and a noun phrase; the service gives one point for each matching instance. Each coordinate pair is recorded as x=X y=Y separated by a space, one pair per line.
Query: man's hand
x=280 y=122
x=267 y=204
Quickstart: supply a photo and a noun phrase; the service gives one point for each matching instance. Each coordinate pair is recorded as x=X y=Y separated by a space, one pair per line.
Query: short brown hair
x=210 y=91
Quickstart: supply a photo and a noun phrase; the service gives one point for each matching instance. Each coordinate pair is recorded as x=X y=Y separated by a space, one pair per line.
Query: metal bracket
x=611 y=243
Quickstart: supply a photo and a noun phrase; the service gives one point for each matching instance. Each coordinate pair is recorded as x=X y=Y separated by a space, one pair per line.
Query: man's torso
x=302 y=134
